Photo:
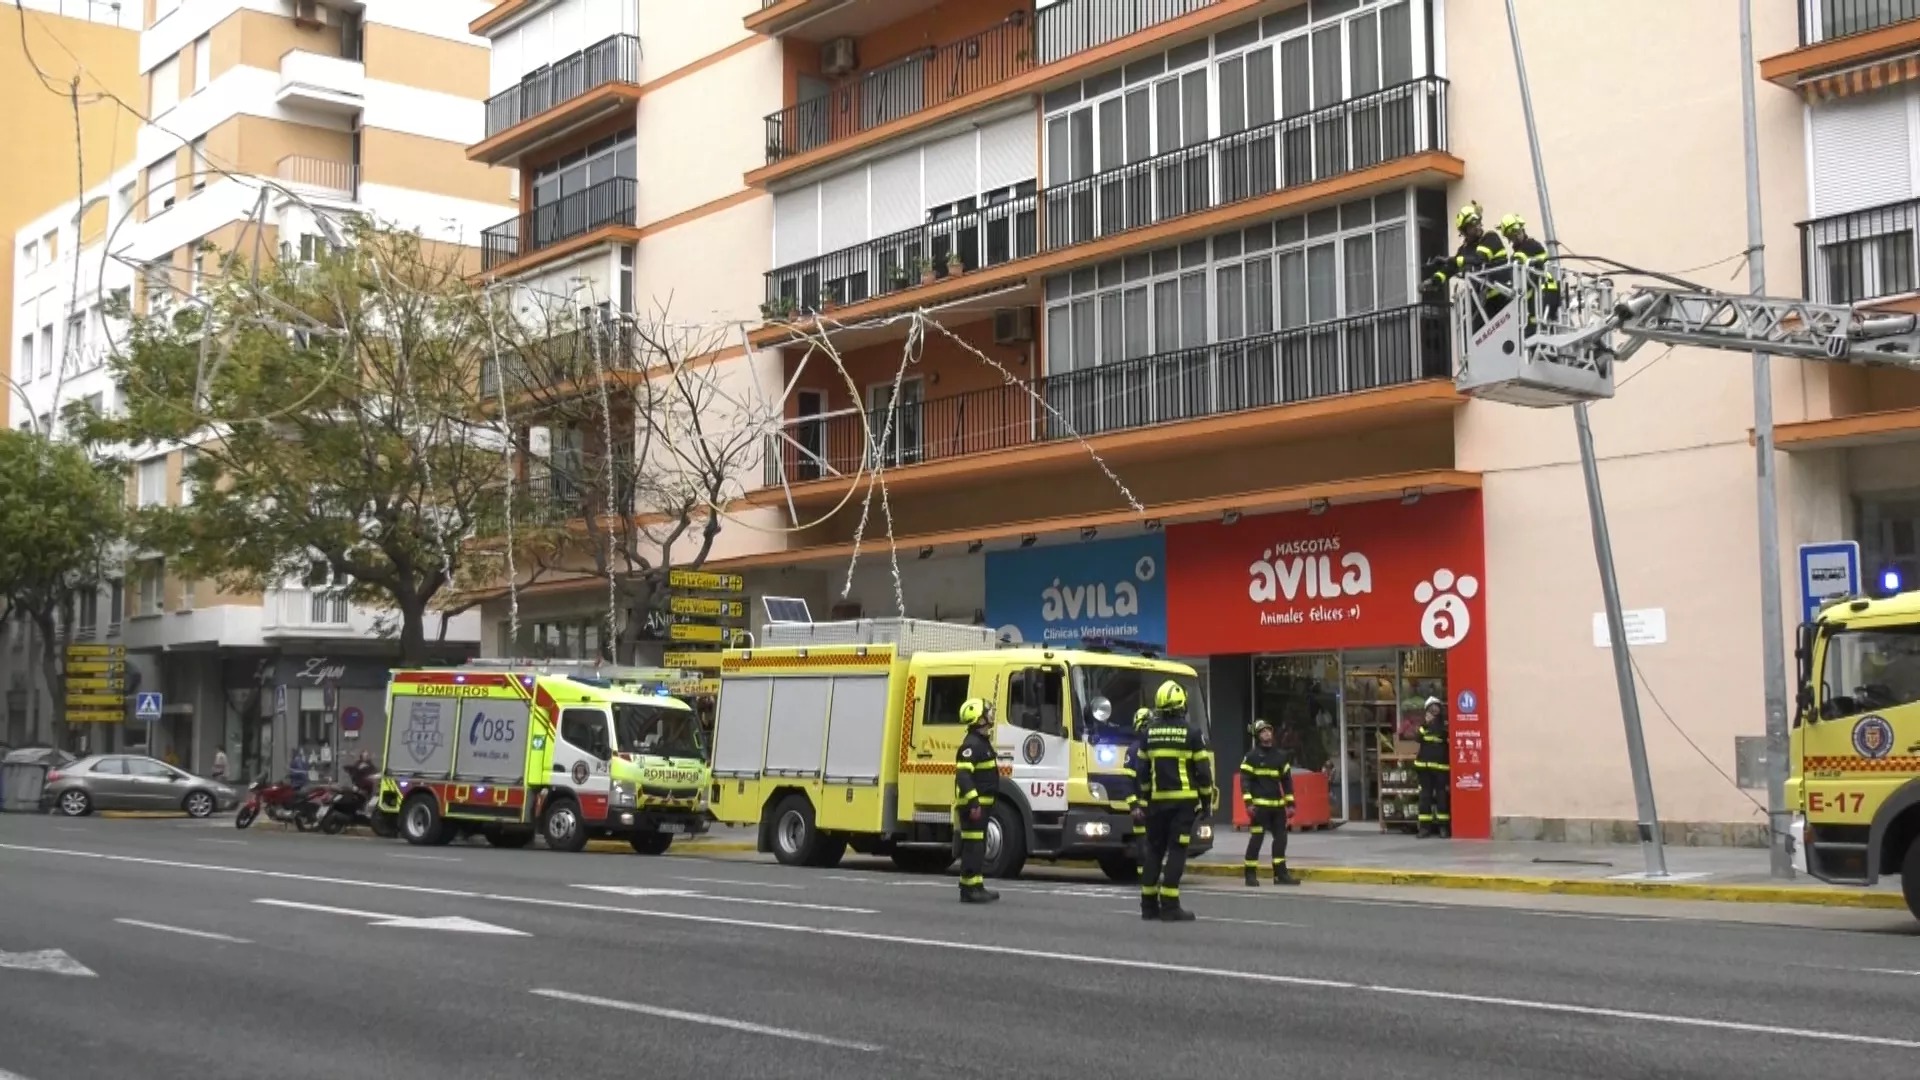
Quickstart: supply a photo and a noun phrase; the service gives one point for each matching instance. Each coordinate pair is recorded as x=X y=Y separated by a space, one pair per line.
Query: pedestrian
x=297 y=767
x=1266 y=786
x=1435 y=771
x=976 y=780
x=325 y=754
x=1174 y=780
x=220 y=764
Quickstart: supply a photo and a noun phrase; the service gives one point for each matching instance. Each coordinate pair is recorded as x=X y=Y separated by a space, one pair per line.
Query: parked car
x=132 y=782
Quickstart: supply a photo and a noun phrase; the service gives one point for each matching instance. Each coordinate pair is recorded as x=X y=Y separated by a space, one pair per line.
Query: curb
x=139 y=815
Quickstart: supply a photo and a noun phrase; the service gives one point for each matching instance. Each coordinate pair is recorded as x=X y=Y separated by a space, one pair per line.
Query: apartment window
x=199 y=271
x=76 y=355
x=163 y=87
x=187 y=459
x=86 y=623
x=30 y=256
x=162 y=175
x=198 y=163
x=123 y=201
x=153 y=482
x=202 y=62
x=50 y=248
x=565 y=196
x=23 y=367
x=153 y=587
x=46 y=350
x=116 y=605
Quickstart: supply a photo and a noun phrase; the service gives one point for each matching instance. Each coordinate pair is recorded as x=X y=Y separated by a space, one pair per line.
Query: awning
x=1864 y=79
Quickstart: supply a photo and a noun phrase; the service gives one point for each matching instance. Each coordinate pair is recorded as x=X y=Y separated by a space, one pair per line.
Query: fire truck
x=842 y=735
x=508 y=750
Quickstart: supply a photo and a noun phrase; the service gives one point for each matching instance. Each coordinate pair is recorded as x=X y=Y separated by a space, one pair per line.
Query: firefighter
x=1266 y=786
x=1135 y=801
x=976 y=777
x=1531 y=253
x=1174 y=782
x=1480 y=251
x=1435 y=772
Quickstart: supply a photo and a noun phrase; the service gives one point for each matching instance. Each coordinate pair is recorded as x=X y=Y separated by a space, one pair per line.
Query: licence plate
x=673 y=828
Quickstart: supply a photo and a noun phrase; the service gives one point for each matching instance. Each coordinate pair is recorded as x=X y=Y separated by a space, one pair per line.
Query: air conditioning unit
x=309 y=14
x=1012 y=326
x=838 y=57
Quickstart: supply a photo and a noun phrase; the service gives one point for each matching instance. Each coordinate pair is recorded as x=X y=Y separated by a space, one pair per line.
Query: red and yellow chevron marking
x=1860 y=764
x=906 y=721
x=830 y=660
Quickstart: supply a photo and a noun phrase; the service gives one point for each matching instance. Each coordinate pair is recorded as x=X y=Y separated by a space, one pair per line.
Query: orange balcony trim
x=1864 y=429
x=758 y=21
x=1790 y=68
x=506 y=147
x=606 y=234
x=1408 y=402
x=1034 y=81
x=1420 y=168
x=500 y=13
x=1363 y=489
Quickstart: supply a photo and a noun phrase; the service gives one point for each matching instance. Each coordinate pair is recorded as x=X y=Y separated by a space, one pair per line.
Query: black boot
x=1171 y=911
x=1424 y=832
x=1253 y=877
x=1281 y=877
x=1149 y=907
x=977 y=894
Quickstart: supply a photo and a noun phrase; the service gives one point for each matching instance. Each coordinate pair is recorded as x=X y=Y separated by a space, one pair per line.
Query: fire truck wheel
x=1120 y=868
x=828 y=853
x=1910 y=877
x=385 y=826
x=795 y=841
x=562 y=826
x=420 y=821
x=923 y=860
x=651 y=843
x=1006 y=842
x=508 y=838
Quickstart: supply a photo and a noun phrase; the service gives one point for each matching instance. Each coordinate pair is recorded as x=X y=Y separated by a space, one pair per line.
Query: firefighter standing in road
x=1135 y=799
x=1435 y=771
x=1480 y=251
x=1531 y=253
x=976 y=778
x=1266 y=786
x=1174 y=781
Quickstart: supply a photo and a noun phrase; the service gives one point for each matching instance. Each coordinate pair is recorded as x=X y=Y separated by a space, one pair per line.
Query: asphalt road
x=211 y=953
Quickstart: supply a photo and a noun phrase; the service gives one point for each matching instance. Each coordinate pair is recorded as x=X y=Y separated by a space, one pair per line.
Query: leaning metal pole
x=1650 y=842
x=1773 y=650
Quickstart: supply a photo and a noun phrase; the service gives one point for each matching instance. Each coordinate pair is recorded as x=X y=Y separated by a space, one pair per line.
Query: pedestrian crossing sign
x=146 y=706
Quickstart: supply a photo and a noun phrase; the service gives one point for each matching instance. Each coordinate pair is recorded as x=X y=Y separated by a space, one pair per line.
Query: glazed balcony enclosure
x=1861 y=256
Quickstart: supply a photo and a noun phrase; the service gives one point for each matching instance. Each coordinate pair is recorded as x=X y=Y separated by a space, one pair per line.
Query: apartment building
x=1173 y=377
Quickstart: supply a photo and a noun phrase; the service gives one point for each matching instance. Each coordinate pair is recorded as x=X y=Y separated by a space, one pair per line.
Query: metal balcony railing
x=1825 y=20
x=325 y=174
x=609 y=202
x=1394 y=123
x=574 y=356
x=1384 y=348
x=610 y=60
x=911 y=84
x=1863 y=255
x=1074 y=26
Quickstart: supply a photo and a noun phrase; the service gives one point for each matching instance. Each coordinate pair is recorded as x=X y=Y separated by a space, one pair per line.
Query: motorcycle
x=343 y=807
x=282 y=802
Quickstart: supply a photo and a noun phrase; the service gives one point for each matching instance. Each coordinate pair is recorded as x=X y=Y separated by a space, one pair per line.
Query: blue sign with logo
x=1469 y=702
x=1062 y=595
x=1827 y=573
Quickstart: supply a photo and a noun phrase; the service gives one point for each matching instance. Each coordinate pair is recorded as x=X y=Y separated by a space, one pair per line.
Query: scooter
x=282 y=802
x=343 y=807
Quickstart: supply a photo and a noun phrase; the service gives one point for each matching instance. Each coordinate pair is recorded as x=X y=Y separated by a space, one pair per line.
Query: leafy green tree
x=332 y=406
x=62 y=519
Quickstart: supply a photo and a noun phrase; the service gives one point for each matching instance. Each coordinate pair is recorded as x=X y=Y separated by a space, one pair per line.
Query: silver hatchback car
x=132 y=782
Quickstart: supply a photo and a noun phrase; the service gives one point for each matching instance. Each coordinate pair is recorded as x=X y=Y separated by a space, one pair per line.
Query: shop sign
x=1062 y=595
x=1370 y=574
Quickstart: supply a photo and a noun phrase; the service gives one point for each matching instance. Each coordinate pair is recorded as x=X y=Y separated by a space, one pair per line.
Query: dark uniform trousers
x=1169 y=831
x=1435 y=773
x=1267 y=820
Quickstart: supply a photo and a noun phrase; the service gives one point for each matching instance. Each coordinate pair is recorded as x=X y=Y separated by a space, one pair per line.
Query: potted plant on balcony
x=829 y=298
x=924 y=268
x=955 y=267
x=778 y=310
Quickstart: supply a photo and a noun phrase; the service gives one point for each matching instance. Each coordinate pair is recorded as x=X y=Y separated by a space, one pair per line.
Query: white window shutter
x=1009 y=152
x=843 y=210
x=796 y=225
x=1861 y=153
x=952 y=169
x=895 y=183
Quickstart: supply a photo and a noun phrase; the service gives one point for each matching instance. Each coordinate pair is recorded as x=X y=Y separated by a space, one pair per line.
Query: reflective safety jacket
x=1534 y=253
x=976 y=772
x=1175 y=765
x=1433 y=744
x=1266 y=777
x=1489 y=252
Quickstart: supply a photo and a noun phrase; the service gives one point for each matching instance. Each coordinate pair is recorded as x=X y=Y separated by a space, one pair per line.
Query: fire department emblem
x=422 y=737
x=580 y=772
x=1033 y=749
x=1873 y=737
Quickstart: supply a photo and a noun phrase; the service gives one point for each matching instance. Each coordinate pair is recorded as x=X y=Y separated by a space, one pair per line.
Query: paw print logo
x=1446 y=621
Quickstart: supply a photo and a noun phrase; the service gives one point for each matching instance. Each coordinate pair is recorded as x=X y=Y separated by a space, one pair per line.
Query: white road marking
x=5 y=1075
x=1216 y=918
x=1550 y=1007
x=211 y=840
x=710 y=1021
x=424 y=858
x=209 y=935
x=689 y=894
x=456 y=923
x=49 y=961
x=1889 y=971
x=730 y=881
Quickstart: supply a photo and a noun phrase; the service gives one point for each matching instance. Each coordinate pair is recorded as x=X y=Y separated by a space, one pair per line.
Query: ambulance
x=1855 y=779
x=837 y=736
x=508 y=750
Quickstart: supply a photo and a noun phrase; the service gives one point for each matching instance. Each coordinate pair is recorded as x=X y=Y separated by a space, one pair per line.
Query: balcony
x=299 y=611
x=1838 y=36
x=1829 y=20
x=1865 y=255
x=1364 y=352
x=1393 y=124
x=322 y=83
x=575 y=357
x=320 y=176
x=607 y=204
x=561 y=97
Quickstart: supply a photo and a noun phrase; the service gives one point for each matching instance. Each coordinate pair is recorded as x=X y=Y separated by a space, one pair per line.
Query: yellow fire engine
x=1856 y=744
x=508 y=749
x=843 y=735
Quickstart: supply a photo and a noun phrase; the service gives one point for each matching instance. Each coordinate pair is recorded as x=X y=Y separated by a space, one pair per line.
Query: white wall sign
x=1647 y=626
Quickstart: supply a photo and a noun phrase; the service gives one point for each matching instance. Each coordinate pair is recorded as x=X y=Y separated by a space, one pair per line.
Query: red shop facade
x=1336 y=627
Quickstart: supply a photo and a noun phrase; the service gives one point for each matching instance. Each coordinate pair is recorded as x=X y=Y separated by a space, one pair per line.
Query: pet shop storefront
x=1336 y=626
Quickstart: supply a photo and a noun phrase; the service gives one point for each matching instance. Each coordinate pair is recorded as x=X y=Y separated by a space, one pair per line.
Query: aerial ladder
x=1514 y=345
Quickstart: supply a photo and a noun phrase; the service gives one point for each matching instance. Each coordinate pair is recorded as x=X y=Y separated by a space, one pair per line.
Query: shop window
x=945 y=695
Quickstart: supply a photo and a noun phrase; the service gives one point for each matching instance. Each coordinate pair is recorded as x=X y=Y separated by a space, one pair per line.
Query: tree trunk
x=413 y=635
x=51 y=670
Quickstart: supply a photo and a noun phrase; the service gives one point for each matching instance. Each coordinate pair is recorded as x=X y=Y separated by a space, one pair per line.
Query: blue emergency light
x=1890 y=582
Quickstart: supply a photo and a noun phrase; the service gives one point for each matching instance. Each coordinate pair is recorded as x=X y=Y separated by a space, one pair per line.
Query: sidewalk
x=1362 y=855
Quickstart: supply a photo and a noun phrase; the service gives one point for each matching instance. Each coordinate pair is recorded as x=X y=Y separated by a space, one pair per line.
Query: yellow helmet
x=1142 y=717
x=1470 y=214
x=974 y=712
x=1170 y=698
x=1260 y=726
x=1511 y=224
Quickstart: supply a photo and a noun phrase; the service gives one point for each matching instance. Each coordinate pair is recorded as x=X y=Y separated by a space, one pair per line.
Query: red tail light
x=52 y=775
